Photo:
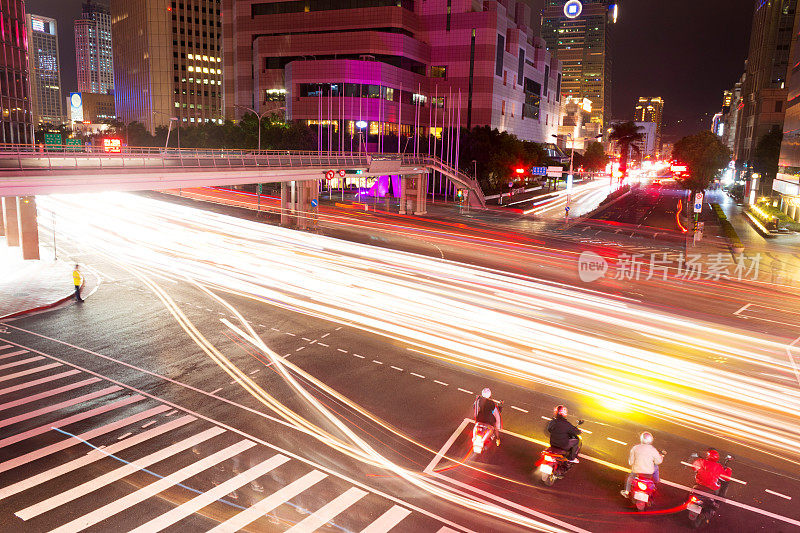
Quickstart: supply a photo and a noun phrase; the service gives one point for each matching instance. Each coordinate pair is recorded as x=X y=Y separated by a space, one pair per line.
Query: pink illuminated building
x=417 y=63
x=16 y=119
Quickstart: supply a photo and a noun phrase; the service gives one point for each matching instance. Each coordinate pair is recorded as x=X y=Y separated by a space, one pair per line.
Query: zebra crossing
x=79 y=452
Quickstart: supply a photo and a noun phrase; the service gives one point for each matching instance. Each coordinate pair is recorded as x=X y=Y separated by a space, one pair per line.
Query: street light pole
x=260 y=116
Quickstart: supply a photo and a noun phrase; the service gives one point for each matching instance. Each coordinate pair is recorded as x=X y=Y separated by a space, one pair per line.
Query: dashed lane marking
x=377 y=362
x=323 y=344
x=340 y=350
x=778 y=494
x=359 y=356
x=216 y=390
x=291 y=334
x=617 y=441
x=442 y=383
x=420 y=376
x=323 y=336
x=465 y=390
x=519 y=409
x=256 y=371
x=306 y=339
x=125 y=436
x=149 y=424
x=397 y=368
x=300 y=348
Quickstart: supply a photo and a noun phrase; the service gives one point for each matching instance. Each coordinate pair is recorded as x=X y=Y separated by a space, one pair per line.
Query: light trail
x=652 y=362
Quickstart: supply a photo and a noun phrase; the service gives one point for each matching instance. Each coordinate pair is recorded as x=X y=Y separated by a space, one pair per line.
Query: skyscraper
x=578 y=33
x=167 y=61
x=651 y=109
x=93 y=52
x=764 y=92
x=45 y=70
x=16 y=120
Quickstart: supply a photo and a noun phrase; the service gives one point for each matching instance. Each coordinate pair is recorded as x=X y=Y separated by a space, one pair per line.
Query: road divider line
x=323 y=344
x=778 y=494
x=359 y=356
x=377 y=362
x=124 y=436
x=742 y=308
x=323 y=336
x=520 y=409
x=617 y=441
x=420 y=376
x=397 y=368
x=149 y=424
x=290 y=334
x=442 y=383
x=300 y=348
x=215 y=391
x=340 y=350
x=465 y=390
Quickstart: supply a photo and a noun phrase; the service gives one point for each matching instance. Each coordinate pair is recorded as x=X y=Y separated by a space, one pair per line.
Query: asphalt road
x=136 y=337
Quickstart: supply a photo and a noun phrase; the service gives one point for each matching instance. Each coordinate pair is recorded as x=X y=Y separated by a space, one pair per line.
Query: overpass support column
x=403 y=195
x=11 y=220
x=421 y=183
x=308 y=195
x=28 y=227
x=286 y=203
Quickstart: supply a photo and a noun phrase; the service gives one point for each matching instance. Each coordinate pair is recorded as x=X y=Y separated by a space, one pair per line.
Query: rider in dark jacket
x=563 y=434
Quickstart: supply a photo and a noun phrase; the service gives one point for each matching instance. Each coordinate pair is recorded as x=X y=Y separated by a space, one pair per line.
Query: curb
x=40 y=308
x=598 y=209
x=759 y=227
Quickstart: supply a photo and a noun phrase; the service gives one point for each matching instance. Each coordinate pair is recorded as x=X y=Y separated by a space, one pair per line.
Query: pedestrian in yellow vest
x=77 y=278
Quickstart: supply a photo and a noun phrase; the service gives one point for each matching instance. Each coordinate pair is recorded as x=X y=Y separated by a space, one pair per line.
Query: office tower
x=45 y=70
x=93 y=52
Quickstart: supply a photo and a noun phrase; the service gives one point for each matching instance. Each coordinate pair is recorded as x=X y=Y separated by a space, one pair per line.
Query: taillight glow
x=642 y=486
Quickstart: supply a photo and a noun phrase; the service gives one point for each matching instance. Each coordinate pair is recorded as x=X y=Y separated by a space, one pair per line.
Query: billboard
x=76 y=107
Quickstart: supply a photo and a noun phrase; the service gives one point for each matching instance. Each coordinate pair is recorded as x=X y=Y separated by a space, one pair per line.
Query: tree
x=625 y=135
x=766 y=155
x=594 y=159
x=704 y=155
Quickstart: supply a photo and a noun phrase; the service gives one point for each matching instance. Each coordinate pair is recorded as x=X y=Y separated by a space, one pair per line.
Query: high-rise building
x=45 y=70
x=787 y=181
x=167 y=61
x=16 y=119
x=93 y=51
x=651 y=109
x=424 y=63
x=764 y=91
x=578 y=33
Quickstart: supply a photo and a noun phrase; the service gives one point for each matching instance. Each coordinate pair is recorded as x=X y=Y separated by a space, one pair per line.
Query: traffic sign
x=698 y=202
x=555 y=172
x=341 y=173
x=539 y=171
x=329 y=175
x=314 y=202
x=259 y=188
x=566 y=209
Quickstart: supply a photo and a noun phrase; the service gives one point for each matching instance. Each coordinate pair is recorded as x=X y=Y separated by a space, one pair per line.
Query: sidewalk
x=28 y=286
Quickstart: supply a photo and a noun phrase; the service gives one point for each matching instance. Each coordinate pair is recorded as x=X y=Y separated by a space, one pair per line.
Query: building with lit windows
x=651 y=109
x=576 y=124
x=16 y=118
x=386 y=62
x=787 y=182
x=578 y=33
x=764 y=91
x=167 y=61
x=93 y=50
x=45 y=70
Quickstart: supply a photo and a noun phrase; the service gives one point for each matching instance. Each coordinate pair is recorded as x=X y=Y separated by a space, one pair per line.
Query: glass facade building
x=16 y=119
x=93 y=50
x=45 y=70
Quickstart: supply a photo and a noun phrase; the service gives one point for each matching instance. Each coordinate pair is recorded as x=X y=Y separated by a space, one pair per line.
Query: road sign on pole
x=698 y=202
x=314 y=202
x=555 y=172
x=329 y=175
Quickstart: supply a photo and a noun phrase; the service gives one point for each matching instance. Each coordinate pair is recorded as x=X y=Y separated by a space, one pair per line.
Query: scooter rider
x=644 y=460
x=710 y=475
x=487 y=412
x=563 y=434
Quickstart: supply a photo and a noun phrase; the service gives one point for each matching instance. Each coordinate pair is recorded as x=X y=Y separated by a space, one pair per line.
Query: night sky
x=687 y=51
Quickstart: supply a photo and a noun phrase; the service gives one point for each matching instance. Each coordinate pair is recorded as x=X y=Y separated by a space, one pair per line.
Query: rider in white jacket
x=644 y=459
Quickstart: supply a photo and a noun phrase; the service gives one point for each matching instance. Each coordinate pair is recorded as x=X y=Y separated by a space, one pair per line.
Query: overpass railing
x=62 y=157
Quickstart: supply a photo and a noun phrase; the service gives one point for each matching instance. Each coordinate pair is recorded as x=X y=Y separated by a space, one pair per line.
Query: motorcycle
x=484 y=436
x=702 y=508
x=554 y=463
x=642 y=490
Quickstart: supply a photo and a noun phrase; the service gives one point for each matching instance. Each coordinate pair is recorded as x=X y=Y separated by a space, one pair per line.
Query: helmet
x=486 y=393
x=712 y=455
x=646 y=438
x=560 y=410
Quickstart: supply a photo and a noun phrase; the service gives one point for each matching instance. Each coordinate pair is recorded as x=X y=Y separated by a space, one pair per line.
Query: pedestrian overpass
x=27 y=171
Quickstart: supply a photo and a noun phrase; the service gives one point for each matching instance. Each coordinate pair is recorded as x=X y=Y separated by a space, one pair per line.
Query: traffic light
x=460 y=195
x=520 y=171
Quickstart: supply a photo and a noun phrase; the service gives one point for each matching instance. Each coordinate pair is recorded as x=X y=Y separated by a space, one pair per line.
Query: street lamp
x=361 y=124
x=260 y=116
x=169 y=129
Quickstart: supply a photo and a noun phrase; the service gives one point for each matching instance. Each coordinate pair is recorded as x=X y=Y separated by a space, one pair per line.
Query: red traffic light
x=520 y=170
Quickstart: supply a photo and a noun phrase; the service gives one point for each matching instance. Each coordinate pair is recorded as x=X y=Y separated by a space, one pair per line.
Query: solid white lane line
x=465 y=390
x=387 y=520
x=48 y=393
x=128 y=501
x=21 y=362
x=12 y=354
x=39 y=381
x=259 y=509
x=92 y=456
x=115 y=475
x=519 y=409
x=617 y=441
x=784 y=496
x=70 y=419
x=210 y=496
x=440 y=382
x=328 y=512
x=61 y=405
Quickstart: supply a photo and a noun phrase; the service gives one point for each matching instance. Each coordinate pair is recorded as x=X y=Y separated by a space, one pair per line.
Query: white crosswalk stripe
x=114 y=445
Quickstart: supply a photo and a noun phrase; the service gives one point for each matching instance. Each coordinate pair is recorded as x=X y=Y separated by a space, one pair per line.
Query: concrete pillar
x=302 y=205
x=2 y=222
x=286 y=208
x=28 y=227
x=403 y=195
x=792 y=212
x=422 y=196
x=11 y=220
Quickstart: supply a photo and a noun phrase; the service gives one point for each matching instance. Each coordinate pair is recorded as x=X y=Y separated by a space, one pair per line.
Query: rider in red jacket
x=710 y=474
